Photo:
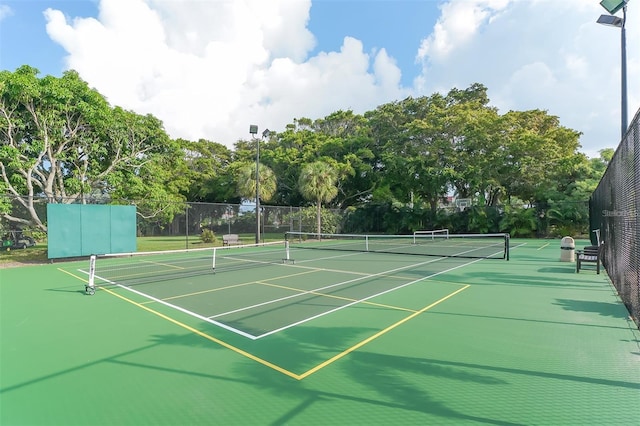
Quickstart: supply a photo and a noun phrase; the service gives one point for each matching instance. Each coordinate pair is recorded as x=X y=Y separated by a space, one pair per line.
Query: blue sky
x=209 y=68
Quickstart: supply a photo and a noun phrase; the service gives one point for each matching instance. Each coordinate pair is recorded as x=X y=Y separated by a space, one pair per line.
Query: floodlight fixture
x=610 y=20
x=612 y=6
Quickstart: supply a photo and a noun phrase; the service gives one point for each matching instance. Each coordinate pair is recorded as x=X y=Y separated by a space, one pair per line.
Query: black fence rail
x=192 y=219
x=155 y=218
x=187 y=219
x=614 y=209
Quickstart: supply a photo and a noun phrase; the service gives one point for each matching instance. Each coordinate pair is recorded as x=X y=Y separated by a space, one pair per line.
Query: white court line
x=253 y=337
x=368 y=297
x=183 y=310
x=363 y=300
x=315 y=290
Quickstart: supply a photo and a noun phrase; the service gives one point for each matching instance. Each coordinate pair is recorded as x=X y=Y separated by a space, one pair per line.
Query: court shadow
x=67 y=290
x=328 y=338
x=186 y=339
x=569 y=269
x=534 y=280
x=604 y=309
x=395 y=382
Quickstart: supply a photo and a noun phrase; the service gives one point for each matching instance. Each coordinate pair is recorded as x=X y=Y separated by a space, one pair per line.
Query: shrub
x=519 y=221
x=208 y=236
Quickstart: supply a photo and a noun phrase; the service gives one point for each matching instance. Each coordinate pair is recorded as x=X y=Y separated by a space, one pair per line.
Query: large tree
x=537 y=153
x=416 y=148
x=61 y=142
x=208 y=163
x=349 y=145
x=475 y=136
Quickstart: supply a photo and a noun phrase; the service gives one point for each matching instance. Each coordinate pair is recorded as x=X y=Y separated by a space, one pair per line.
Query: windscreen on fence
x=614 y=208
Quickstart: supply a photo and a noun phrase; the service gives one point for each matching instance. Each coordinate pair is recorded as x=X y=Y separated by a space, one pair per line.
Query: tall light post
x=613 y=6
x=253 y=130
x=229 y=215
x=265 y=134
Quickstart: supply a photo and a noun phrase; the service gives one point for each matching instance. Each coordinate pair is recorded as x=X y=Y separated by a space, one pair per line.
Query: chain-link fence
x=553 y=219
x=614 y=206
x=188 y=220
x=224 y=219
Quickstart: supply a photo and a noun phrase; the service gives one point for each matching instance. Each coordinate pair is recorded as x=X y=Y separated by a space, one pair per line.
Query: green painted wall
x=86 y=229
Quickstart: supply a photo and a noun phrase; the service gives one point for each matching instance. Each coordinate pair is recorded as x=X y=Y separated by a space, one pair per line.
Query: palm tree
x=317 y=183
x=246 y=185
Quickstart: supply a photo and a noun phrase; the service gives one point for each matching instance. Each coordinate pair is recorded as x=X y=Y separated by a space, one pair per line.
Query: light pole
x=265 y=134
x=613 y=6
x=253 y=130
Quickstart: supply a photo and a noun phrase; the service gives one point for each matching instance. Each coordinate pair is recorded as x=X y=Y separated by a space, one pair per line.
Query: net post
x=287 y=258
x=92 y=271
x=90 y=288
x=507 y=238
x=213 y=260
x=366 y=242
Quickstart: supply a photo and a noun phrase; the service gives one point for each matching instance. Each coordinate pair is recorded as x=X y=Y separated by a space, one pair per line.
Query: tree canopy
x=61 y=141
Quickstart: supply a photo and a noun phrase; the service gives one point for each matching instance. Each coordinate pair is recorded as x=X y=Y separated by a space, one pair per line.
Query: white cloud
x=210 y=69
x=459 y=23
x=5 y=11
x=537 y=54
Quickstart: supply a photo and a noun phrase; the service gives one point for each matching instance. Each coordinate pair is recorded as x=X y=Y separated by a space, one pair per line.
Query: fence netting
x=614 y=208
x=193 y=218
x=186 y=219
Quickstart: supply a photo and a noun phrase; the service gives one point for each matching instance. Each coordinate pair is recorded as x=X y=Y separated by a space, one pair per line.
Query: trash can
x=567 y=250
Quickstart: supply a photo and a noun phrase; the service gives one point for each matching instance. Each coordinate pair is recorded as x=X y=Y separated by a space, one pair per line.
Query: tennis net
x=480 y=246
x=432 y=233
x=144 y=267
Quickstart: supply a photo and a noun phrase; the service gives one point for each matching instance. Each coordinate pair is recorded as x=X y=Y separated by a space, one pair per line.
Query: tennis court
x=318 y=333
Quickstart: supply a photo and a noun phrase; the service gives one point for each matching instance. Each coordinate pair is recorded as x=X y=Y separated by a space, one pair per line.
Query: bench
x=591 y=255
x=229 y=239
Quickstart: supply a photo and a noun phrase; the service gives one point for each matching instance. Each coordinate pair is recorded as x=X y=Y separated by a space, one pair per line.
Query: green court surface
x=330 y=339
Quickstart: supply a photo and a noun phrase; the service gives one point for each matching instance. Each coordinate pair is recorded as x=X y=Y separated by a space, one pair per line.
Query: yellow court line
x=341 y=271
x=73 y=275
x=309 y=270
x=378 y=334
x=539 y=248
x=144 y=273
x=289 y=276
x=149 y=301
x=162 y=264
x=198 y=332
x=331 y=296
x=457 y=284
x=196 y=293
x=265 y=362
x=208 y=337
